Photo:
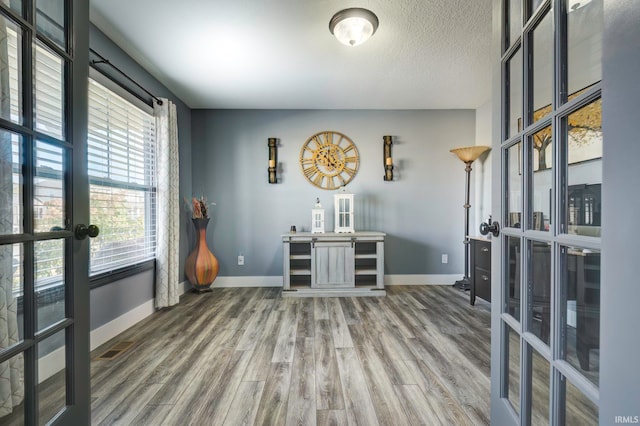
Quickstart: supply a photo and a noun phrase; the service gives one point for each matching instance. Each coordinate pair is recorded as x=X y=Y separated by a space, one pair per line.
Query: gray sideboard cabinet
x=333 y=264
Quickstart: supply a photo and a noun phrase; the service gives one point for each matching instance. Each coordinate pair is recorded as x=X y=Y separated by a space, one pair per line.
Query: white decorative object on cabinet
x=343 y=210
x=317 y=218
x=333 y=264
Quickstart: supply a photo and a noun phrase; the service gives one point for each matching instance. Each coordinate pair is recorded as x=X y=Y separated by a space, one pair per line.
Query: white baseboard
x=257 y=281
x=421 y=279
x=50 y=364
x=276 y=281
x=116 y=326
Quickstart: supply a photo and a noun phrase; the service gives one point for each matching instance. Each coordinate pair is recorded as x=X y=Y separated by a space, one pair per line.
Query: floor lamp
x=468 y=155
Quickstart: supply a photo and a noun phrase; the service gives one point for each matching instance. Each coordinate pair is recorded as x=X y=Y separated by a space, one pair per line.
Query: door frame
x=79 y=355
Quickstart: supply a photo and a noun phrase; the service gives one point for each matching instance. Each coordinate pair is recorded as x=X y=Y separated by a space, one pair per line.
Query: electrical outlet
x=445 y=258
x=241 y=260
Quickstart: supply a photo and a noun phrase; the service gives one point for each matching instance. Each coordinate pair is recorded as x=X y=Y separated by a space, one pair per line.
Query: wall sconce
x=273 y=159
x=388 y=160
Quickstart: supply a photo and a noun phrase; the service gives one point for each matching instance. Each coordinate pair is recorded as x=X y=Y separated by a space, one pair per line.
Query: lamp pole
x=465 y=282
x=468 y=155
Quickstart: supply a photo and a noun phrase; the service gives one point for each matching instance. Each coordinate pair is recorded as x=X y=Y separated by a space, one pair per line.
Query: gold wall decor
x=329 y=160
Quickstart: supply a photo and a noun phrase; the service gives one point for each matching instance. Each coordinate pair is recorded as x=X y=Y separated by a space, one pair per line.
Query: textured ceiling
x=275 y=54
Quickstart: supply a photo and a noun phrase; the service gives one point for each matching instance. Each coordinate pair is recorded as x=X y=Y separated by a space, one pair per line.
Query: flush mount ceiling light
x=353 y=26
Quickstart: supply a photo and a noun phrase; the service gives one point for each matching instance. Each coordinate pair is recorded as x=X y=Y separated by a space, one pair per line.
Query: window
x=122 y=178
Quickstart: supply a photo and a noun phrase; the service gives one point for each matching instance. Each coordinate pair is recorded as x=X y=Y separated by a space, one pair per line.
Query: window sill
x=118 y=274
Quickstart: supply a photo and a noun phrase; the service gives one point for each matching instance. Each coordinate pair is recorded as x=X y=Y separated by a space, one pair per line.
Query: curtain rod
x=104 y=60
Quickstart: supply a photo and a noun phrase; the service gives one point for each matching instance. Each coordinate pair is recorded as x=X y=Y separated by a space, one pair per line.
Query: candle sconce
x=273 y=159
x=388 y=159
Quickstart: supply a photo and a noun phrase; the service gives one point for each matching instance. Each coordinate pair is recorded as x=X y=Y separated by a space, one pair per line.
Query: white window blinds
x=122 y=177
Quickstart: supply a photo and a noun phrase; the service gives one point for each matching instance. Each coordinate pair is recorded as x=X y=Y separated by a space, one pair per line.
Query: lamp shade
x=353 y=26
x=469 y=154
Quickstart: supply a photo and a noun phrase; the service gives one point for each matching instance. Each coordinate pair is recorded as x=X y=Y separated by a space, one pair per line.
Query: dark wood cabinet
x=480 y=269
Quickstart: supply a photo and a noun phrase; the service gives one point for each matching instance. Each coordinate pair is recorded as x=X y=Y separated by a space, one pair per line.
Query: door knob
x=82 y=231
x=494 y=228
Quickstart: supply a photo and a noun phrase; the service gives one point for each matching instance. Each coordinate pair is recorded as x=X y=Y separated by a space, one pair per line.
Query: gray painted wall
x=481 y=174
x=114 y=299
x=620 y=339
x=421 y=210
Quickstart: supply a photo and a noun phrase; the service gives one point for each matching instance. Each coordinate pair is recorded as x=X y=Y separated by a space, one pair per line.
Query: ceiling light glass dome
x=353 y=26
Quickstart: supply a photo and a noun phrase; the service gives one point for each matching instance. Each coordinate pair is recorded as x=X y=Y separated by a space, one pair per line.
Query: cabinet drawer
x=482 y=254
x=482 y=283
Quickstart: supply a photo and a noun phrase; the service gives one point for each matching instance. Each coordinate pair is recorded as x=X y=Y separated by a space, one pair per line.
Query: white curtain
x=11 y=371
x=168 y=205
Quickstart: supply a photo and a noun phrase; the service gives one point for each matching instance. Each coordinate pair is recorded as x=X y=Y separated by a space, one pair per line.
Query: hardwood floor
x=247 y=356
x=420 y=355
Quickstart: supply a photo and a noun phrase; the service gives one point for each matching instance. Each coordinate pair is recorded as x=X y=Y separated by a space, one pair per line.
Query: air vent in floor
x=116 y=350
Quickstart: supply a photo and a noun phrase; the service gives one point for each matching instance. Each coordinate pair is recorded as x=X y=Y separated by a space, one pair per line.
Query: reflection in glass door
x=551 y=169
x=39 y=332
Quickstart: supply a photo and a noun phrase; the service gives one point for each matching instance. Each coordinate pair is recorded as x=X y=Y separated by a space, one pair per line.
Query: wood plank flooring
x=247 y=356
x=237 y=356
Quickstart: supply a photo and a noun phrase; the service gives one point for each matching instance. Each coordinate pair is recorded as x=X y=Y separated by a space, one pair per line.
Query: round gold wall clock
x=329 y=160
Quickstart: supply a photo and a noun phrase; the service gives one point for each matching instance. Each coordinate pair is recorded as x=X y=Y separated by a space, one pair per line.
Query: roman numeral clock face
x=329 y=160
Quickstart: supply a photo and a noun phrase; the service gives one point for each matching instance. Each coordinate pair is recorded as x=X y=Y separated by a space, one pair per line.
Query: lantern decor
x=317 y=218
x=343 y=210
x=201 y=266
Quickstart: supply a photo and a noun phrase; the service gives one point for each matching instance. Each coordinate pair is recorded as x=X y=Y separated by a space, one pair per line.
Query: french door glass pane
x=533 y=6
x=52 y=388
x=15 y=5
x=10 y=71
x=513 y=277
x=581 y=302
x=48 y=200
x=541 y=160
x=50 y=20
x=584 y=43
x=513 y=192
x=515 y=21
x=50 y=280
x=513 y=364
x=579 y=410
x=14 y=414
x=514 y=91
x=542 y=58
x=539 y=389
x=12 y=285
x=11 y=161
x=49 y=92
x=539 y=309
x=584 y=170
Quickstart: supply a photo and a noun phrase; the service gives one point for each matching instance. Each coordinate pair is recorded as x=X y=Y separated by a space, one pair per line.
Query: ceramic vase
x=201 y=266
